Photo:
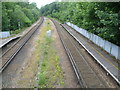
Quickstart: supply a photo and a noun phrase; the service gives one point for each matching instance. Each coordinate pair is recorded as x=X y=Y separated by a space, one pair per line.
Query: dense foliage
x=100 y=18
x=18 y=15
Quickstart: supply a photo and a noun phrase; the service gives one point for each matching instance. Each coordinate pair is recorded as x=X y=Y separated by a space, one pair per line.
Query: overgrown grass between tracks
x=50 y=74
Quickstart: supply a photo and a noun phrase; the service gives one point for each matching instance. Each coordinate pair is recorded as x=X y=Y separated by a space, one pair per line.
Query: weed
x=50 y=71
x=42 y=78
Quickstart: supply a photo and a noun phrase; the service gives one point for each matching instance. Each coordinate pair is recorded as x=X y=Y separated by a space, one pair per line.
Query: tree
x=18 y=12
x=100 y=18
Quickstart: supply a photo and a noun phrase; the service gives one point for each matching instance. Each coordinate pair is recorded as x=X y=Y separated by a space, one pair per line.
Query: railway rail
x=15 y=48
x=86 y=75
x=111 y=67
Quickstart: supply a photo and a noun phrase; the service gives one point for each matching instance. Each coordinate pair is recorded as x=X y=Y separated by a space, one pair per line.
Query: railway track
x=15 y=48
x=108 y=65
x=86 y=75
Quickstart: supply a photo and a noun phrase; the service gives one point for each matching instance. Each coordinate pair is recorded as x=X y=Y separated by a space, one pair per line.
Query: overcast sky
x=41 y=2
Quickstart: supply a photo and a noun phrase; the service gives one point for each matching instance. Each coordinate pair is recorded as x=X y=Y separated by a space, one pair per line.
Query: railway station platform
x=6 y=41
x=108 y=62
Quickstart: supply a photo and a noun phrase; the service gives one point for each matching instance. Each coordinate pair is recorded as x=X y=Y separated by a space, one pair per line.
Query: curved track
x=14 y=49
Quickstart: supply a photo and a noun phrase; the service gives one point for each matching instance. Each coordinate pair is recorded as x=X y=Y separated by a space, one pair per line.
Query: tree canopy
x=18 y=12
x=100 y=18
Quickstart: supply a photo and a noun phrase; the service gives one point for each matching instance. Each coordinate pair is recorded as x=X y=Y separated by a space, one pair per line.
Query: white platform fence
x=106 y=45
x=4 y=34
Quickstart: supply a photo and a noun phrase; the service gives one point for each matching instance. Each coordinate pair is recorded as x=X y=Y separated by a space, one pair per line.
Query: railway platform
x=6 y=41
x=110 y=64
x=3 y=42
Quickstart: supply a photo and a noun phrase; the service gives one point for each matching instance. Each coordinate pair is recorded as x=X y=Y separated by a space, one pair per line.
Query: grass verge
x=50 y=74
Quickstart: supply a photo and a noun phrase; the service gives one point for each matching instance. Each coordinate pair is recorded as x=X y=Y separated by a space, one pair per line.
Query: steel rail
x=78 y=50
x=17 y=41
x=98 y=61
x=79 y=76
x=23 y=39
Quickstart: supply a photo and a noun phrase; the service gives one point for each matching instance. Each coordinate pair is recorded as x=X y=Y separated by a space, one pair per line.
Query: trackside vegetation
x=100 y=18
x=18 y=15
x=50 y=74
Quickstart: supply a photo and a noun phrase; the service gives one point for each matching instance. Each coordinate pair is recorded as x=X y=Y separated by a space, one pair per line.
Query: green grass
x=42 y=78
x=17 y=31
x=50 y=72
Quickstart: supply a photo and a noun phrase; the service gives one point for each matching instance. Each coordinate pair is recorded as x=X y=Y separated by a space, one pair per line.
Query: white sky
x=41 y=3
